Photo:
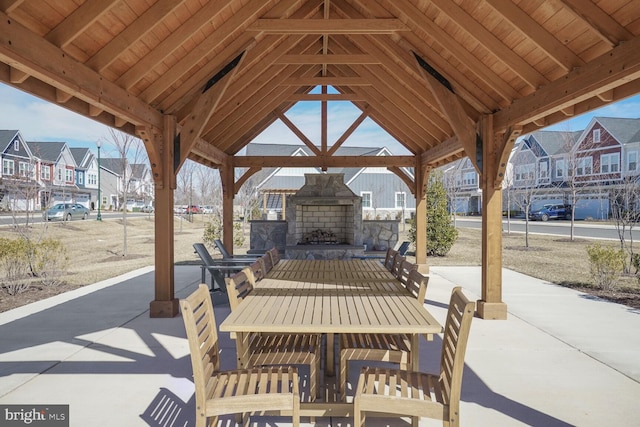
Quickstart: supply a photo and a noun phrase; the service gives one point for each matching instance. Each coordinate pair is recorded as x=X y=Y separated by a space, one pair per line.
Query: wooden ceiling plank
x=522 y=22
x=78 y=22
x=175 y=101
x=32 y=54
x=174 y=41
x=202 y=111
x=323 y=161
x=8 y=6
x=328 y=59
x=613 y=69
x=475 y=66
x=131 y=34
x=327 y=26
x=495 y=46
x=607 y=28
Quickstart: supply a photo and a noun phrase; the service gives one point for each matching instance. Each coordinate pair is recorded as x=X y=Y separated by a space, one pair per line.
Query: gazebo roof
x=425 y=71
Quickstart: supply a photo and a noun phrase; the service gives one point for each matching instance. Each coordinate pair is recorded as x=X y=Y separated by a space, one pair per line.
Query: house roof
x=81 y=156
x=114 y=164
x=6 y=137
x=623 y=129
x=49 y=151
x=425 y=71
x=556 y=142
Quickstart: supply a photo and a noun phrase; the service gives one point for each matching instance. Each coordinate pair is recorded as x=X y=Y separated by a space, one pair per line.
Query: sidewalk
x=561 y=359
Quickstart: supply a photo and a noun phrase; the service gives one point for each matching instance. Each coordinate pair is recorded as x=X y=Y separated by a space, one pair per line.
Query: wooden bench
x=231 y=392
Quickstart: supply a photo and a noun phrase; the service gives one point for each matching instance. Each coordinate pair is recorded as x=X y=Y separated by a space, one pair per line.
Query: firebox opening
x=324 y=224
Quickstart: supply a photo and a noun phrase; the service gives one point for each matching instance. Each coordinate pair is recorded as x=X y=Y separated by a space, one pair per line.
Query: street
x=8 y=219
x=587 y=230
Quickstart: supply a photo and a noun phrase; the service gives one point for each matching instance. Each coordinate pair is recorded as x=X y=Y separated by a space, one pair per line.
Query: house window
x=366 y=199
x=59 y=174
x=544 y=170
x=23 y=169
x=469 y=178
x=400 y=200
x=609 y=163
x=525 y=172
x=585 y=166
x=596 y=135
x=632 y=161
x=45 y=173
x=91 y=179
x=8 y=167
x=68 y=175
x=80 y=180
x=560 y=168
x=16 y=145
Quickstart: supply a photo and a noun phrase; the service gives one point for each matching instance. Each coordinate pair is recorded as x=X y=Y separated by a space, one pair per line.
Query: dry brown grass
x=95 y=253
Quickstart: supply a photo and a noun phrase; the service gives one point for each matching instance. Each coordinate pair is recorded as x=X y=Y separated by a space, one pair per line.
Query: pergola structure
x=447 y=78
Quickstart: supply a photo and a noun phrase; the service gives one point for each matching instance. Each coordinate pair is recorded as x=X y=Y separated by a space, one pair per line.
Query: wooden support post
x=228 y=189
x=491 y=305
x=421 y=181
x=165 y=304
x=284 y=206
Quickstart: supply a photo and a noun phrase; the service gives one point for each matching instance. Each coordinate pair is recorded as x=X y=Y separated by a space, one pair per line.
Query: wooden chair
x=394 y=348
x=405 y=268
x=397 y=262
x=257 y=269
x=267 y=262
x=275 y=255
x=388 y=260
x=237 y=391
x=420 y=394
x=274 y=348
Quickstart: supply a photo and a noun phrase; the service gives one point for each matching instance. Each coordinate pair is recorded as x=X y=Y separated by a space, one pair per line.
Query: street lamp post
x=99 y=217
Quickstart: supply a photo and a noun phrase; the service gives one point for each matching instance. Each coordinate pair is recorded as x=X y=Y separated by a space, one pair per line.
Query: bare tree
x=625 y=200
x=130 y=150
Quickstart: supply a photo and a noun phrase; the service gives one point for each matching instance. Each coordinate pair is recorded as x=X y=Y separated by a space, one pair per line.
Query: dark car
x=551 y=211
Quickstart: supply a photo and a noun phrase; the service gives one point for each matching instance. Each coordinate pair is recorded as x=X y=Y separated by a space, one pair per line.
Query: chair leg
x=358 y=417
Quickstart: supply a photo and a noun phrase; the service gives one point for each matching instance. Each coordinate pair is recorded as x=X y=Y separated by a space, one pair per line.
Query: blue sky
x=39 y=120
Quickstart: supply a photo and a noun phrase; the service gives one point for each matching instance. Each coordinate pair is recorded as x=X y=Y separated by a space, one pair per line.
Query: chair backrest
x=225 y=253
x=239 y=286
x=275 y=255
x=257 y=270
x=454 y=346
x=404 y=247
x=200 y=324
x=417 y=285
x=203 y=253
x=405 y=268
x=267 y=261
x=388 y=260
x=397 y=262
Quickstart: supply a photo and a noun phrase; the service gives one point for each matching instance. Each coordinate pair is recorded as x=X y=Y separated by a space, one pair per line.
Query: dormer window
x=596 y=135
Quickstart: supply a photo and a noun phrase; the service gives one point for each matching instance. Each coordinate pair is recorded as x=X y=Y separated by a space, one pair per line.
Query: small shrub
x=213 y=231
x=50 y=261
x=606 y=264
x=15 y=265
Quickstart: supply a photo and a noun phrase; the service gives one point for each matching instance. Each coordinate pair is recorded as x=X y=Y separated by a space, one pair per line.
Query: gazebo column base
x=492 y=310
x=163 y=309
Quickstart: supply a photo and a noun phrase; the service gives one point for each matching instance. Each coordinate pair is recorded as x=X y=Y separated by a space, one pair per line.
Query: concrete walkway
x=561 y=359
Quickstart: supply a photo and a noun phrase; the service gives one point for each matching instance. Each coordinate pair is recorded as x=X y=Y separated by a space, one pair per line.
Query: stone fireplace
x=324 y=220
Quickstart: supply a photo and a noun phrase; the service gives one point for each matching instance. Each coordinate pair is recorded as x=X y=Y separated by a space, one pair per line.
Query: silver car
x=66 y=212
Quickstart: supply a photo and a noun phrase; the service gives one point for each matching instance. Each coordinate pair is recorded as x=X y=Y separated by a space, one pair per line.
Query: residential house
x=18 y=188
x=384 y=194
x=55 y=172
x=142 y=184
x=116 y=176
x=86 y=176
x=460 y=179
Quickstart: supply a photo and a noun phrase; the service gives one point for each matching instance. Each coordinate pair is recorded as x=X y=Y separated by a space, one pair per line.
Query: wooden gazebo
x=447 y=78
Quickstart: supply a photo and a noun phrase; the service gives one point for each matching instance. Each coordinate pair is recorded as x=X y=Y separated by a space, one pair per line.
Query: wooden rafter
x=297 y=132
x=323 y=161
x=327 y=26
x=442 y=151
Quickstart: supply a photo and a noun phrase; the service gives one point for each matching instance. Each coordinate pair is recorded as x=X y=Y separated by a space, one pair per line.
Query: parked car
x=147 y=209
x=66 y=212
x=551 y=211
x=194 y=209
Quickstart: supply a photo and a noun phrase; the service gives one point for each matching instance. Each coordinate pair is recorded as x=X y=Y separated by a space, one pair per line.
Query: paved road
x=559 y=228
x=7 y=219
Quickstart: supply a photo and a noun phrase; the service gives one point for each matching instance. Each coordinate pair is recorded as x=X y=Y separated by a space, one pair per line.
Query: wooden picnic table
x=329 y=297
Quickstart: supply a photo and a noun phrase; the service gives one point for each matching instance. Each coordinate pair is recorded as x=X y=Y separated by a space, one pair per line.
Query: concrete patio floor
x=562 y=358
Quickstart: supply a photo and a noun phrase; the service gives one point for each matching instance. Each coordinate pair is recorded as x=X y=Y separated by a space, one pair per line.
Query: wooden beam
x=405 y=178
x=62 y=97
x=327 y=26
x=154 y=145
x=76 y=23
x=504 y=151
x=27 y=51
x=323 y=161
x=16 y=76
x=601 y=23
x=204 y=108
x=349 y=131
x=297 y=132
x=450 y=106
x=245 y=176
x=326 y=81
x=325 y=97
x=442 y=151
x=207 y=151
x=615 y=68
x=327 y=59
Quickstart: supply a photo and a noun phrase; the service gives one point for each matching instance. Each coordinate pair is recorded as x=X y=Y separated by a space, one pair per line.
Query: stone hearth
x=324 y=220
